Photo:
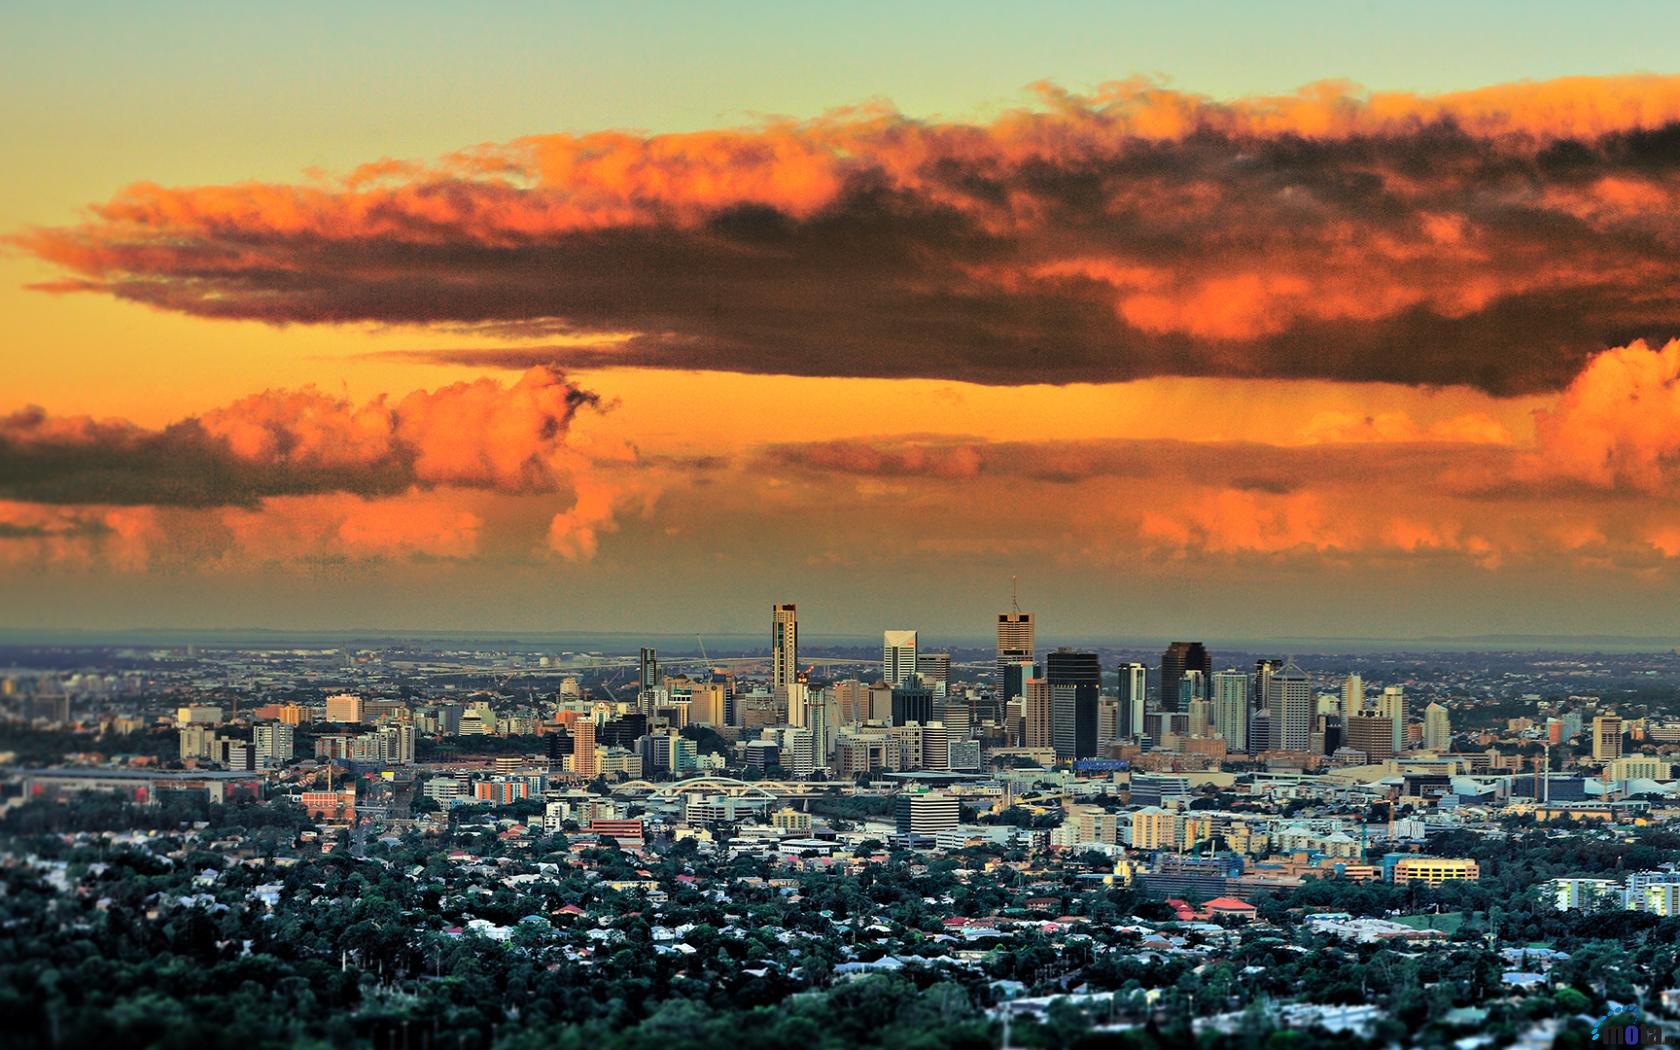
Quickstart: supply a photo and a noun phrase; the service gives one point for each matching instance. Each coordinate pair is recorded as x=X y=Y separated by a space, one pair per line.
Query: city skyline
x=528 y=370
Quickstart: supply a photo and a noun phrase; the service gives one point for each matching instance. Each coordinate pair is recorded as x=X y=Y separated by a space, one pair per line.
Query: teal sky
x=96 y=93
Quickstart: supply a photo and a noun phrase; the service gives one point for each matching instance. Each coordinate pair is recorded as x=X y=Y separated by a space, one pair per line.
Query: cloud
x=1617 y=425
x=480 y=435
x=1494 y=238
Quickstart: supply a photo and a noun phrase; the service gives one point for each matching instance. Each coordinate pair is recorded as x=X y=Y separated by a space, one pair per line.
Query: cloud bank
x=1494 y=238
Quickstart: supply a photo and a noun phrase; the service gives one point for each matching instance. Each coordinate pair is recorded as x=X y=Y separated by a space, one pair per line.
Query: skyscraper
x=1372 y=733
x=1353 y=697
x=1075 y=679
x=1393 y=704
x=1016 y=675
x=1437 y=728
x=1035 y=713
x=1134 y=689
x=898 y=658
x=1181 y=657
x=1607 y=738
x=784 y=645
x=1016 y=642
x=1230 y=708
x=647 y=669
x=1289 y=700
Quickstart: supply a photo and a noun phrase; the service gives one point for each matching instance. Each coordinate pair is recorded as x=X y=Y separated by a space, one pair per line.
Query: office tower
x=1289 y=700
x=1353 y=697
x=1201 y=717
x=1373 y=733
x=1437 y=728
x=1259 y=730
x=1073 y=720
x=936 y=746
x=1016 y=643
x=1179 y=658
x=345 y=707
x=1192 y=686
x=1393 y=704
x=1016 y=675
x=647 y=669
x=851 y=698
x=584 y=760
x=273 y=742
x=798 y=697
x=934 y=669
x=1035 y=713
x=1075 y=678
x=1134 y=690
x=1607 y=738
x=926 y=813
x=1263 y=671
x=898 y=658
x=784 y=645
x=912 y=703
x=1230 y=708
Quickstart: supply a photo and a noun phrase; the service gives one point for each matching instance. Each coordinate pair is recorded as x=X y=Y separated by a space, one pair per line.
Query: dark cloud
x=287 y=443
x=1494 y=238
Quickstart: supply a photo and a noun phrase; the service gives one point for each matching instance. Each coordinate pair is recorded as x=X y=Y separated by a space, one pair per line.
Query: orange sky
x=1328 y=362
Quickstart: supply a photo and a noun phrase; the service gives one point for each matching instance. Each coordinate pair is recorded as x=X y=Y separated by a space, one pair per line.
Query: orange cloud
x=1491 y=238
x=480 y=434
x=1618 y=424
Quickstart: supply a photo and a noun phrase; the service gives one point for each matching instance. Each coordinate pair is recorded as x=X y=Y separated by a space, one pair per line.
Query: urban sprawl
x=393 y=845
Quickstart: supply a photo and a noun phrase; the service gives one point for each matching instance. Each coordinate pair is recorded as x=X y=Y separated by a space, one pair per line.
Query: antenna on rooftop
x=1014 y=596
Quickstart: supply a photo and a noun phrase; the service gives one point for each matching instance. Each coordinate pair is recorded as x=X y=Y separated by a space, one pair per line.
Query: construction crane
x=703 y=655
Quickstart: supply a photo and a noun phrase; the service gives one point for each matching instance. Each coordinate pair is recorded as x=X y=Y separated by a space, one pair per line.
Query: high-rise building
x=1289 y=699
x=1016 y=675
x=1075 y=679
x=1230 y=708
x=584 y=760
x=1393 y=704
x=1263 y=671
x=912 y=703
x=1373 y=733
x=1353 y=697
x=345 y=707
x=1035 y=713
x=934 y=669
x=1437 y=728
x=1179 y=658
x=273 y=742
x=647 y=669
x=898 y=657
x=1607 y=738
x=1134 y=691
x=1016 y=643
x=784 y=645
x=926 y=813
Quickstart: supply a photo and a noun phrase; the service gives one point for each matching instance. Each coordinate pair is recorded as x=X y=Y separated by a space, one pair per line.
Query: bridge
x=731 y=787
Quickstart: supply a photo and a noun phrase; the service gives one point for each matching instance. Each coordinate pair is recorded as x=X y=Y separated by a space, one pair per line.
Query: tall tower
x=898 y=658
x=1134 y=688
x=1179 y=658
x=1230 y=709
x=1393 y=704
x=1075 y=678
x=784 y=645
x=1289 y=700
x=1437 y=728
x=647 y=667
x=1353 y=697
x=1016 y=642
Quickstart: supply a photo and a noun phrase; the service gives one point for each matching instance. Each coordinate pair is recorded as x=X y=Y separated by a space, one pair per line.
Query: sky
x=1206 y=320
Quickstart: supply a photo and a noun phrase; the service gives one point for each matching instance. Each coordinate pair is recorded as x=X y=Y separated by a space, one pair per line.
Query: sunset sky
x=1211 y=320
